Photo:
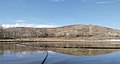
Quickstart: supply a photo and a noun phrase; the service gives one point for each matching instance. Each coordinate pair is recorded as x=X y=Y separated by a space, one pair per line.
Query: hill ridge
x=70 y=31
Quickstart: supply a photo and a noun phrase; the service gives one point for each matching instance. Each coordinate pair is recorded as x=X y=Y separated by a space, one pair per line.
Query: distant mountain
x=71 y=31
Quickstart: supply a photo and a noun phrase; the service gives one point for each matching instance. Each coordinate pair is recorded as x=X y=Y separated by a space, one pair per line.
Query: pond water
x=14 y=54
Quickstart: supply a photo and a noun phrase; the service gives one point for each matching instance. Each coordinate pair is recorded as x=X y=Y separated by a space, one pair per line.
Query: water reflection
x=18 y=54
x=15 y=49
x=14 y=54
x=83 y=52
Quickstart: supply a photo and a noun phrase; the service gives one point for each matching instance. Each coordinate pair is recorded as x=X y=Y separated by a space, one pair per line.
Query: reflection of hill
x=83 y=52
x=15 y=49
x=95 y=45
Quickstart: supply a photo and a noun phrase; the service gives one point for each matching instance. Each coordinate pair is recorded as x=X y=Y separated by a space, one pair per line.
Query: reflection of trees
x=82 y=52
x=1 y=51
x=15 y=49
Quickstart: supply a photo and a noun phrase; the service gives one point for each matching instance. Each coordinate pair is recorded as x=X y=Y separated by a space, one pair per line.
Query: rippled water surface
x=14 y=54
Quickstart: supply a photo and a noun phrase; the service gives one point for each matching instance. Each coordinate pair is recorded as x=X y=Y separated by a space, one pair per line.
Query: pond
x=14 y=54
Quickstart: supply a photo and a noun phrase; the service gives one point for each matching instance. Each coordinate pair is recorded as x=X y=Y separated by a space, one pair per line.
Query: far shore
x=62 y=40
x=65 y=43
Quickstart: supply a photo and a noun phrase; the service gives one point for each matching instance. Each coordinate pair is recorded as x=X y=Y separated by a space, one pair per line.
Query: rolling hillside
x=70 y=31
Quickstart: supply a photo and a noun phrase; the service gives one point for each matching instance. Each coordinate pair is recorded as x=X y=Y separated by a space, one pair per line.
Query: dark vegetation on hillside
x=65 y=31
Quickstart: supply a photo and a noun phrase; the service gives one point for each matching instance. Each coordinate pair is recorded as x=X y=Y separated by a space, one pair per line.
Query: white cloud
x=28 y=25
x=105 y=2
x=101 y=2
x=57 y=0
x=47 y=26
x=87 y=0
x=20 y=21
x=118 y=0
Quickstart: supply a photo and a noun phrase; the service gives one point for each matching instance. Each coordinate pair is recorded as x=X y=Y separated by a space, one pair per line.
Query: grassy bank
x=63 y=38
x=66 y=42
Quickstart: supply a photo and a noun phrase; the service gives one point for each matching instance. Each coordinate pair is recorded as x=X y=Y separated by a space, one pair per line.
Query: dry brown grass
x=77 y=38
x=74 y=44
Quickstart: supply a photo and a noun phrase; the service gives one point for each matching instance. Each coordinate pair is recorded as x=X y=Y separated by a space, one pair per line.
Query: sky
x=60 y=12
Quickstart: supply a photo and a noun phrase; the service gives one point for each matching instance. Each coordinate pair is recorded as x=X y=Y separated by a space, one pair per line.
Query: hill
x=71 y=31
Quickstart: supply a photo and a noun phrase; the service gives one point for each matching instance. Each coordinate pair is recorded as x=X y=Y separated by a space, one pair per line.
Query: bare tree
x=1 y=32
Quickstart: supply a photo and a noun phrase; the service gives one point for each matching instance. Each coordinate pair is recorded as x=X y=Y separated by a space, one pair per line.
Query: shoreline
x=106 y=40
x=84 y=44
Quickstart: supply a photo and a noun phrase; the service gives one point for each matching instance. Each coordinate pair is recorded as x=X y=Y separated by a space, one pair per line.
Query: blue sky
x=61 y=12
